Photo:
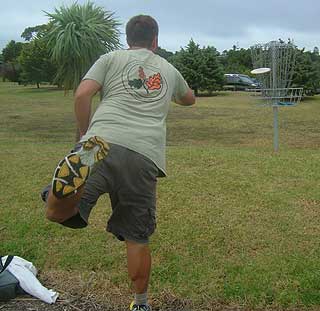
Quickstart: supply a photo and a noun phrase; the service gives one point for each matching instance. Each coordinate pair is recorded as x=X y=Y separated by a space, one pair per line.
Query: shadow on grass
x=310 y=98
x=42 y=89
x=218 y=93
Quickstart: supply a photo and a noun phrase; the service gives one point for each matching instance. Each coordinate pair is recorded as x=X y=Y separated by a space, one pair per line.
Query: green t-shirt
x=137 y=88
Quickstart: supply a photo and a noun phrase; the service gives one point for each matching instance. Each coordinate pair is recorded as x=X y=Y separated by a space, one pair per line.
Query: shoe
x=45 y=191
x=134 y=307
x=73 y=171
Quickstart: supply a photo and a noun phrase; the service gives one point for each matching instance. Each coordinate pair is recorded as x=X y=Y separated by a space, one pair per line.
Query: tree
x=36 y=64
x=237 y=60
x=35 y=32
x=200 y=67
x=12 y=51
x=10 y=56
x=77 y=37
x=2 y=68
x=35 y=60
x=164 y=53
x=211 y=70
x=307 y=72
x=187 y=62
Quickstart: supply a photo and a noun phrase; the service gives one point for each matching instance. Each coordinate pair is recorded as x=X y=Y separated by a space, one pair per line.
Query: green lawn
x=237 y=224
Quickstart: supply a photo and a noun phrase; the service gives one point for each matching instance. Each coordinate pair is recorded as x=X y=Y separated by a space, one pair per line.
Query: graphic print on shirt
x=144 y=82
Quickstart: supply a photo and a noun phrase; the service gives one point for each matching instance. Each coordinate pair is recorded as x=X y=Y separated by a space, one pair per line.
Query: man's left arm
x=82 y=105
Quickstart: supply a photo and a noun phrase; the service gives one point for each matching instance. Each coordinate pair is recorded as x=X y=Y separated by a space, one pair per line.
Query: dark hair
x=141 y=30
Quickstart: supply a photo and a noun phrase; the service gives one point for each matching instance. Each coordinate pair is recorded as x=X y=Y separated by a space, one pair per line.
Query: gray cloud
x=219 y=23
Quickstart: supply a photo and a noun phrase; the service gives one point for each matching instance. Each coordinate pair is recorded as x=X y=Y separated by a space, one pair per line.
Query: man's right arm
x=82 y=104
x=186 y=100
x=89 y=86
x=182 y=95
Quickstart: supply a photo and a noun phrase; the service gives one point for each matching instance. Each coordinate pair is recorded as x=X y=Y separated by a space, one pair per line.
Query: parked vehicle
x=256 y=81
x=239 y=82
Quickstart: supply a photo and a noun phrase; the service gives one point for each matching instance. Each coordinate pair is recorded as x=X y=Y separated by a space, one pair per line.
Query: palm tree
x=78 y=35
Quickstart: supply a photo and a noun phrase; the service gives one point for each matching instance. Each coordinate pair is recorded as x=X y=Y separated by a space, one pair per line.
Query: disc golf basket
x=274 y=68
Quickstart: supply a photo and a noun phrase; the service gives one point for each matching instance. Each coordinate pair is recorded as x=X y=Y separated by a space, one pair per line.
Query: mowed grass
x=237 y=224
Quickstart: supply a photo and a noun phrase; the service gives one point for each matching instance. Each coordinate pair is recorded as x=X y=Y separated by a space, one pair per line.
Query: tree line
x=61 y=51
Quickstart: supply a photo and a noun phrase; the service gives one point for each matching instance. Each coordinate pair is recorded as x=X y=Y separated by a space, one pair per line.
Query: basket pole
x=275 y=102
x=275 y=128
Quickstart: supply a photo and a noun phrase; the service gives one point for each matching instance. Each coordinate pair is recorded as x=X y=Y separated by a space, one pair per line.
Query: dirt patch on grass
x=79 y=292
x=89 y=304
x=75 y=294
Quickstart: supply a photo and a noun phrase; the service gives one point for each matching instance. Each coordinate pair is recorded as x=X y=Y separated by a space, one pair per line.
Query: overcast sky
x=221 y=24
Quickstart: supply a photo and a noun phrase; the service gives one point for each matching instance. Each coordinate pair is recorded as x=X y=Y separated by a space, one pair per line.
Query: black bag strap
x=6 y=264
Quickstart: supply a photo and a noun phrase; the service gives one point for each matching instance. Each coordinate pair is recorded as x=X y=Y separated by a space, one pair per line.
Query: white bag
x=26 y=273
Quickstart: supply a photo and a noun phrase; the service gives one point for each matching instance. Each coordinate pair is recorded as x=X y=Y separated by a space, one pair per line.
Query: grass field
x=237 y=224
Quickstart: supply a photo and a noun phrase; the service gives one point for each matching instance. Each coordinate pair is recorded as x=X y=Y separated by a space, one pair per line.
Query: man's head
x=142 y=31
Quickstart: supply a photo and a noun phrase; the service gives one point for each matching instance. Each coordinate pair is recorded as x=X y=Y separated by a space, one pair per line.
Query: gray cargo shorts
x=130 y=180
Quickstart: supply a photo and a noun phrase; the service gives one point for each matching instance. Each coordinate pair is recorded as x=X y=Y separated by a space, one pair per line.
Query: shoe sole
x=71 y=174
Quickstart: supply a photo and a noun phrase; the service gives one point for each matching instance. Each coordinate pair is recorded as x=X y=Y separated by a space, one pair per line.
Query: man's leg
x=59 y=210
x=133 y=218
x=69 y=178
x=139 y=266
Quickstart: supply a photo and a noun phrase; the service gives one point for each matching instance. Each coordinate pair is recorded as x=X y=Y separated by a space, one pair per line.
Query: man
x=124 y=144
